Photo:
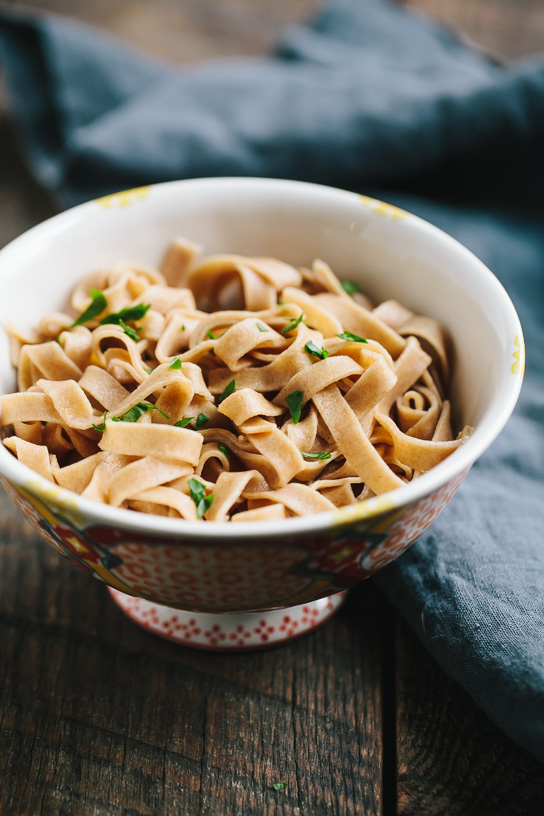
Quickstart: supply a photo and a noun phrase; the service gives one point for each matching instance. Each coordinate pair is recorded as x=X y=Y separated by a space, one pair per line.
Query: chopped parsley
x=130 y=332
x=279 y=785
x=198 y=495
x=293 y=324
x=294 y=403
x=201 y=420
x=319 y=455
x=262 y=327
x=102 y=427
x=182 y=327
x=224 y=449
x=176 y=363
x=347 y=335
x=349 y=287
x=311 y=348
x=127 y=315
x=182 y=423
x=228 y=390
x=155 y=408
x=134 y=413
x=95 y=308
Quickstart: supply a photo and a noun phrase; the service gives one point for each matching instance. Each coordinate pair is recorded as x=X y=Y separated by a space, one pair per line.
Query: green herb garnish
x=262 y=327
x=293 y=324
x=279 y=785
x=210 y=335
x=134 y=413
x=311 y=348
x=294 y=403
x=347 y=335
x=155 y=408
x=349 y=287
x=224 y=449
x=201 y=420
x=204 y=505
x=176 y=363
x=148 y=370
x=182 y=423
x=228 y=390
x=132 y=333
x=127 y=315
x=96 y=307
x=318 y=455
x=198 y=495
x=102 y=427
x=182 y=327
x=197 y=490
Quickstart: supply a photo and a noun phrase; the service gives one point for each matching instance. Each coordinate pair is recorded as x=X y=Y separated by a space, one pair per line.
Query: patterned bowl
x=213 y=585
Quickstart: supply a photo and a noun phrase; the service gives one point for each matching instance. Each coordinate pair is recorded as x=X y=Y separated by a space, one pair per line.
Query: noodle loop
x=228 y=389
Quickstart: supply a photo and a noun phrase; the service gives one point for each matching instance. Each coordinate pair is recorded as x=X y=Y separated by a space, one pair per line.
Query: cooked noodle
x=229 y=388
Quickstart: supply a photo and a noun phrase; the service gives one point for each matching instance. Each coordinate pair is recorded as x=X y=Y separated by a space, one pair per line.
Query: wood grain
x=98 y=717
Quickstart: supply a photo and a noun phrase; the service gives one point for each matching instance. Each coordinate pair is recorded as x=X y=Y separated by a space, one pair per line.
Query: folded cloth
x=370 y=97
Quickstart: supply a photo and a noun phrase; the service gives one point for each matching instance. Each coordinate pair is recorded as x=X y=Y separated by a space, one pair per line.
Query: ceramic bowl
x=213 y=569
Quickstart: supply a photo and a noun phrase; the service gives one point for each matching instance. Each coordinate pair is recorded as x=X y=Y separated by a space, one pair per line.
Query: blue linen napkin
x=369 y=97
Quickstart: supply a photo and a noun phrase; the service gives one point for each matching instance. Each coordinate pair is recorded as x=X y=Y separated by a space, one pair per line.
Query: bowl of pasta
x=233 y=399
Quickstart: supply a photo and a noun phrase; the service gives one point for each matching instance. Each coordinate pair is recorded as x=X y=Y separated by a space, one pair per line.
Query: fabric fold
x=392 y=80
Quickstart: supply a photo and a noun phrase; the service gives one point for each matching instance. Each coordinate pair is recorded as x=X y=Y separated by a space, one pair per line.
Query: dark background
x=97 y=717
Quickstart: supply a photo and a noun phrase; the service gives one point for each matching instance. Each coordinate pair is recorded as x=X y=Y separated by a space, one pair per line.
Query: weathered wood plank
x=98 y=716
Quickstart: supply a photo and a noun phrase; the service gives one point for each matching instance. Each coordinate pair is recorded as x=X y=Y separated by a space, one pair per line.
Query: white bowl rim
x=320 y=523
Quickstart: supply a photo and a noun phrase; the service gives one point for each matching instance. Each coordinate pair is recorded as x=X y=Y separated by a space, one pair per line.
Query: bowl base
x=228 y=631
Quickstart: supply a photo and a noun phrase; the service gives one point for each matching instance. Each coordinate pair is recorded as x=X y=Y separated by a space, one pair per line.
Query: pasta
x=228 y=388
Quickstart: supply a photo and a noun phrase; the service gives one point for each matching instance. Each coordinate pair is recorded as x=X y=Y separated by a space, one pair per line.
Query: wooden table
x=98 y=717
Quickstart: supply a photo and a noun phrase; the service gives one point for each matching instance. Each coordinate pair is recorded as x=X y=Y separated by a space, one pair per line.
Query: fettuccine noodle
x=228 y=388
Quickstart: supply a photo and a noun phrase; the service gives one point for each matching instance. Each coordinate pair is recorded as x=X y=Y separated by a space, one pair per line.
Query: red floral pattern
x=229 y=578
x=411 y=526
x=228 y=632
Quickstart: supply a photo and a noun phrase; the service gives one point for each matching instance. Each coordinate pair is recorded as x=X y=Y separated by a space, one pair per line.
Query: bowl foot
x=229 y=631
